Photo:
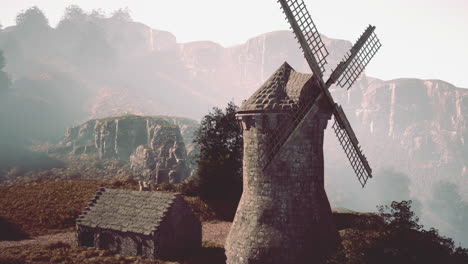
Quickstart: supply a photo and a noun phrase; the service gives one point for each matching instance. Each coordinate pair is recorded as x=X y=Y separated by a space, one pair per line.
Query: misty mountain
x=414 y=132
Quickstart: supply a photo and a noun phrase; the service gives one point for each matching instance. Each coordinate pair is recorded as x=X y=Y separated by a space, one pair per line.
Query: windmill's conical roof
x=283 y=91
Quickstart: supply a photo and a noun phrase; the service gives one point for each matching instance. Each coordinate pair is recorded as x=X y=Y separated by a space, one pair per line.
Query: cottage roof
x=284 y=90
x=127 y=210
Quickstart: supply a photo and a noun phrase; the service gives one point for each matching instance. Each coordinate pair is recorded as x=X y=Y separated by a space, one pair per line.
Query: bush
x=201 y=209
x=166 y=187
x=189 y=187
x=405 y=240
x=401 y=239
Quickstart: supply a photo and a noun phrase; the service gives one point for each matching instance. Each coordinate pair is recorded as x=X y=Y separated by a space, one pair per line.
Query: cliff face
x=416 y=127
x=154 y=145
x=427 y=118
x=241 y=69
x=164 y=159
x=414 y=133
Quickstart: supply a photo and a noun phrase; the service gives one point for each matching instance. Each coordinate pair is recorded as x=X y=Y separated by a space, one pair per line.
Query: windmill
x=284 y=215
x=346 y=73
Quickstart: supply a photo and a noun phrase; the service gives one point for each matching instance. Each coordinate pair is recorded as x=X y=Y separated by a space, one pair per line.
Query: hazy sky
x=425 y=39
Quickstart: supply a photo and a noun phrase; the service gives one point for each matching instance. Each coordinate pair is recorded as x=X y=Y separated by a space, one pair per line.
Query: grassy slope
x=64 y=253
x=46 y=207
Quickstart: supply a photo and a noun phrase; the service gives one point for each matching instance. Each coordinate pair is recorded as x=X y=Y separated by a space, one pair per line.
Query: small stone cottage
x=148 y=224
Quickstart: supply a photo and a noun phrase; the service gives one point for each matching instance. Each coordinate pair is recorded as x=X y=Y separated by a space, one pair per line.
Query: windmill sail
x=307 y=35
x=351 y=147
x=357 y=59
x=345 y=74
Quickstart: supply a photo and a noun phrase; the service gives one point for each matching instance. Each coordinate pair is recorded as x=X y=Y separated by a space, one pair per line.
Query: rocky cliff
x=418 y=127
x=414 y=133
x=154 y=145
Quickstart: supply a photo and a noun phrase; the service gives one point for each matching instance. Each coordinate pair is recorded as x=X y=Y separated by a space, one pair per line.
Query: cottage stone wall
x=180 y=233
x=284 y=215
x=124 y=243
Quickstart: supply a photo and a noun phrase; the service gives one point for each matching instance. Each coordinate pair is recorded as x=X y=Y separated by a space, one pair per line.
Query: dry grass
x=60 y=252
x=45 y=207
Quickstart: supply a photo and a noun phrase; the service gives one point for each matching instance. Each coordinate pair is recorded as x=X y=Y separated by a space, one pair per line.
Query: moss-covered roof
x=283 y=91
x=127 y=210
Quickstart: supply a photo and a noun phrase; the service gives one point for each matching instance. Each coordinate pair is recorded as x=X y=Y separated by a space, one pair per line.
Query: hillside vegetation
x=42 y=207
x=59 y=252
x=45 y=207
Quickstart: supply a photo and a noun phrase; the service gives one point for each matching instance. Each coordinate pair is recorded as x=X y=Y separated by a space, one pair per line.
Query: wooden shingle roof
x=127 y=210
x=282 y=91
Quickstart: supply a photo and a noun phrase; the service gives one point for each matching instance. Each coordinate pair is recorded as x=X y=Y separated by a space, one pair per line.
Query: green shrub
x=166 y=187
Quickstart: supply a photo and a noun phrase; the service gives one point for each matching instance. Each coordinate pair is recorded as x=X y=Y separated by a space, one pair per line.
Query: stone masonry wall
x=284 y=215
x=180 y=233
x=123 y=243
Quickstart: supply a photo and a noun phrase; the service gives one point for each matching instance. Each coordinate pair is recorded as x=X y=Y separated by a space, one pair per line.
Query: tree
x=32 y=19
x=219 y=140
x=97 y=14
x=73 y=15
x=2 y=61
x=122 y=15
x=32 y=35
x=85 y=37
x=5 y=81
x=399 y=216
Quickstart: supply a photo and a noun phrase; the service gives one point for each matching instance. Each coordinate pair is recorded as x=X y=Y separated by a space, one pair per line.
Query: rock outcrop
x=153 y=145
x=164 y=159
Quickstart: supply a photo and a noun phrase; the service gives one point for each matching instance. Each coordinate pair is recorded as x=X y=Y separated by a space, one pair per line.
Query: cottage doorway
x=87 y=239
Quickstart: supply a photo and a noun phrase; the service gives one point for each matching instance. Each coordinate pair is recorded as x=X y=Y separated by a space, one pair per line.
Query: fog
x=445 y=211
x=94 y=66
x=89 y=66
x=449 y=212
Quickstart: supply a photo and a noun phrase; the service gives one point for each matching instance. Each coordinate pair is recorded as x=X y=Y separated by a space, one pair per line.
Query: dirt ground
x=216 y=232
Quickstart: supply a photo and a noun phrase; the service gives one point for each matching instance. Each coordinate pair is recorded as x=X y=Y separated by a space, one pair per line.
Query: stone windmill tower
x=284 y=215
